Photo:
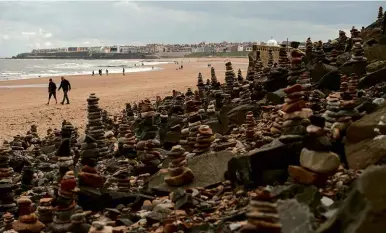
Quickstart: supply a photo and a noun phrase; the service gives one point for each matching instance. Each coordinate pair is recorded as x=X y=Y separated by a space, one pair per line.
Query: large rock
x=237 y=114
x=363 y=148
x=276 y=97
x=373 y=78
x=359 y=68
x=364 y=210
x=294 y=217
x=374 y=66
x=329 y=81
x=318 y=70
x=208 y=169
x=253 y=168
x=319 y=162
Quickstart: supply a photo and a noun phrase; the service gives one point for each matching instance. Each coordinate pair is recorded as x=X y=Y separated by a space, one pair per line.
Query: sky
x=50 y=24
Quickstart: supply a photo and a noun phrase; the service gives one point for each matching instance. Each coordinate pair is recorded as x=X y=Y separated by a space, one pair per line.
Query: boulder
x=359 y=68
x=319 y=161
x=329 y=81
x=237 y=114
x=318 y=70
x=251 y=168
x=374 y=66
x=364 y=210
x=276 y=97
x=208 y=169
x=373 y=78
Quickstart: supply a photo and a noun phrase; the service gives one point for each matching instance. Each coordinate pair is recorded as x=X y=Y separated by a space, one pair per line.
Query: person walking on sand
x=66 y=86
x=51 y=91
x=123 y=70
x=107 y=72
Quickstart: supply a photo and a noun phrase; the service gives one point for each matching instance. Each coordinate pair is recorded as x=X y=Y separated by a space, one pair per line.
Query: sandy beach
x=22 y=107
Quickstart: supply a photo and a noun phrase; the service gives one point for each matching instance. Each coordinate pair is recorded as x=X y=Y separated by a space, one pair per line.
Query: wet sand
x=21 y=106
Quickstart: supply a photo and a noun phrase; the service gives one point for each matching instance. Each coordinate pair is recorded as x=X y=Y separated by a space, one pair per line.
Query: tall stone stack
x=319 y=53
x=250 y=127
x=357 y=53
x=7 y=186
x=122 y=178
x=355 y=35
x=65 y=161
x=200 y=84
x=129 y=112
x=315 y=102
x=296 y=68
x=95 y=127
x=317 y=162
x=178 y=172
x=245 y=94
x=229 y=78
x=240 y=78
x=343 y=83
x=283 y=59
x=270 y=58
x=342 y=41
x=333 y=57
x=333 y=107
x=45 y=210
x=147 y=127
x=204 y=139
x=295 y=113
x=251 y=64
x=352 y=86
x=89 y=176
x=126 y=139
x=213 y=79
x=28 y=221
x=149 y=156
x=380 y=14
x=258 y=67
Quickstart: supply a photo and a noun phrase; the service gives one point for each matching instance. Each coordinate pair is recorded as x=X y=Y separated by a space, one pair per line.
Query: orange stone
x=304 y=176
x=293 y=107
x=294 y=88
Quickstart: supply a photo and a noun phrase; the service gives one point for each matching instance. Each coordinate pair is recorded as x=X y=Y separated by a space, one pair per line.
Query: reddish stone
x=294 y=88
x=293 y=107
x=304 y=176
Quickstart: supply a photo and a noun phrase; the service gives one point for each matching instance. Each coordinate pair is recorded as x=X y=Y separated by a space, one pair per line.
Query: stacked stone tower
x=229 y=78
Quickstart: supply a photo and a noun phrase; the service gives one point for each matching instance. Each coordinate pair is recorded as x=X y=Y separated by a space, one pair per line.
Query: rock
x=294 y=217
x=237 y=114
x=365 y=209
x=276 y=97
x=208 y=169
x=319 y=162
x=377 y=65
x=358 y=68
x=249 y=169
x=304 y=176
x=373 y=78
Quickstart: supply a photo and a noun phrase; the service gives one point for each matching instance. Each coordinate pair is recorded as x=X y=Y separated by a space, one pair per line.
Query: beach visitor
x=66 y=86
x=51 y=91
x=107 y=72
x=123 y=70
x=92 y=73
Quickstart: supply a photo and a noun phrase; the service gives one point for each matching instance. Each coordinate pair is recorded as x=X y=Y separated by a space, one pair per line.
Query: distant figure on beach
x=51 y=91
x=100 y=72
x=152 y=67
x=123 y=70
x=92 y=73
x=142 y=64
x=66 y=86
x=107 y=72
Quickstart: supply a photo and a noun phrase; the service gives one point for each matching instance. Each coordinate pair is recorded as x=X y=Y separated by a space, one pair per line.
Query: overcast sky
x=28 y=25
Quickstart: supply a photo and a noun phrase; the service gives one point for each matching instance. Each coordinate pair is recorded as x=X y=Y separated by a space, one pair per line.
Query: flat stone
x=319 y=162
x=304 y=176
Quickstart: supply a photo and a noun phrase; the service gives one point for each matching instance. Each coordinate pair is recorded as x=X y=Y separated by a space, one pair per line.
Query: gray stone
x=294 y=217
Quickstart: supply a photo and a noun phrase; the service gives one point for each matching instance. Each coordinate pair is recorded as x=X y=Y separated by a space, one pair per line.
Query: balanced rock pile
x=270 y=58
x=7 y=186
x=213 y=79
x=245 y=95
x=179 y=174
x=332 y=109
x=296 y=68
x=316 y=160
x=283 y=59
x=45 y=210
x=229 y=78
x=126 y=139
x=240 y=78
x=149 y=156
x=295 y=112
x=250 y=127
x=204 y=139
x=315 y=102
x=200 y=83
x=122 y=178
x=8 y=220
x=352 y=86
x=343 y=83
x=223 y=143
x=95 y=127
x=358 y=53
x=65 y=161
x=305 y=80
x=28 y=221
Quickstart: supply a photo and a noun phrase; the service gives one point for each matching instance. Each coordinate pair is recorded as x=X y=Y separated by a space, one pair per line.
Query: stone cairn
x=295 y=112
x=204 y=139
x=229 y=78
x=245 y=94
x=240 y=78
x=149 y=156
x=333 y=107
x=178 y=172
x=126 y=139
x=262 y=215
x=315 y=102
x=122 y=179
x=258 y=67
x=79 y=223
x=129 y=113
x=7 y=186
x=352 y=86
x=309 y=47
x=200 y=84
x=89 y=156
x=357 y=53
x=8 y=220
x=333 y=57
x=65 y=161
x=270 y=58
x=95 y=127
x=345 y=115
x=17 y=143
x=319 y=53
x=27 y=221
x=304 y=80
x=283 y=59
x=250 y=127
x=296 y=68
x=147 y=127
x=213 y=79
x=343 y=83
x=64 y=205
x=45 y=210
x=355 y=35
x=317 y=162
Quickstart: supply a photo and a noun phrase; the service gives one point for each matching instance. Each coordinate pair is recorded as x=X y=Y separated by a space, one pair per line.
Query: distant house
x=248 y=49
x=240 y=48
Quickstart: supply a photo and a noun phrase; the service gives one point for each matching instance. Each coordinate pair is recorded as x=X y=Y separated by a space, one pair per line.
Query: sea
x=15 y=69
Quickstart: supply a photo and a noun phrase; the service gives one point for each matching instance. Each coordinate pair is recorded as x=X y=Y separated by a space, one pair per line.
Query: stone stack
x=245 y=95
x=333 y=57
x=8 y=220
x=240 y=78
x=333 y=107
x=17 y=143
x=126 y=139
x=79 y=223
x=250 y=127
x=319 y=53
x=204 y=139
x=67 y=129
x=315 y=102
x=129 y=112
x=213 y=79
x=178 y=172
x=342 y=41
x=189 y=92
x=380 y=14
x=304 y=80
x=258 y=67
x=283 y=59
x=65 y=161
x=223 y=143
x=352 y=86
x=270 y=58
x=229 y=78
x=357 y=53
x=147 y=127
x=296 y=68
x=7 y=186
x=277 y=123
x=295 y=113
x=45 y=210
x=95 y=127
x=149 y=156
x=347 y=112
x=343 y=83
x=355 y=35
x=317 y=162
x=122 y=178
x=200 y=83
x=309 y=47
x=64 y=205
x=27 y=221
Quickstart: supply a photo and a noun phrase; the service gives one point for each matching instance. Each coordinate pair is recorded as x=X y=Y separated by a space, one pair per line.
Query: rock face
x=362 y=147
x=364 y=210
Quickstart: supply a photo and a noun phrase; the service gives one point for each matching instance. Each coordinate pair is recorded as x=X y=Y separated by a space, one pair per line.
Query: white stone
x=319 y=162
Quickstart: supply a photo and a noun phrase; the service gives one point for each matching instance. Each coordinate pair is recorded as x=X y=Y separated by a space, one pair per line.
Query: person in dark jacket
x=66 y=86
x=51 y=91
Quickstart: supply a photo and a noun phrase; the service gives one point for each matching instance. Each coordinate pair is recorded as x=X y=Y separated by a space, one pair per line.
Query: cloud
x=62 y=24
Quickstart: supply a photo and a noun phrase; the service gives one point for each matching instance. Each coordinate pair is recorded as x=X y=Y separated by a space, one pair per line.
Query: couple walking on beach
x=64 y=84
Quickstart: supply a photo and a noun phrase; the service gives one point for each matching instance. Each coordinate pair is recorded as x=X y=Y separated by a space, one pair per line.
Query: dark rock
x=276 y=97
x=373 y=78
x=364 y=210
x=318 y=70
x=329 y=81
x=237 y=115
x=359 y=68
